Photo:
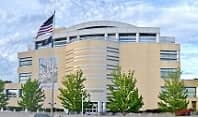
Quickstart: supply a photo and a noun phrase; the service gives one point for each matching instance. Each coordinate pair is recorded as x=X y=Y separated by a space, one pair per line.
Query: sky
x=20 y=20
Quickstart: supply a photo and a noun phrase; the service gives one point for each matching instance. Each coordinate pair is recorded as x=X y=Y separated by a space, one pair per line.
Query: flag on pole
x=46 y=27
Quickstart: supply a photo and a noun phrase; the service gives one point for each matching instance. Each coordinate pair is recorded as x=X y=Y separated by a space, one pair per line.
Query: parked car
x=41 y=115
x=183 y=112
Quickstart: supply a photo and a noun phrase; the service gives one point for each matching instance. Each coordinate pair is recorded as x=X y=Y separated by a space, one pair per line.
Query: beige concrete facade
x=100 y=46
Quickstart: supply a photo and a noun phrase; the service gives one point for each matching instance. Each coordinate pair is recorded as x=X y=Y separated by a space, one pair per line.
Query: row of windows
x=165 y=55
x=191 y=91
x=164 y=72
x=123 y=37
x=13 y=93
x=25 y=61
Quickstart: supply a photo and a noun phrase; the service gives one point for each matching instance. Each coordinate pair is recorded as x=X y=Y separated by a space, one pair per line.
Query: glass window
x=112 y=50
x=191 y=92
x=44 y=43
x=127 y=37
x=165 y=39
x=111 y=37
x=72 y=39
x=60 y=42
x=25 y=61
x=165 y=72
x=23 y=77
x=95 y=36
x=12 y=93
x=168 y=55
x=147 y=37
x=114 y=57
x=111 y=67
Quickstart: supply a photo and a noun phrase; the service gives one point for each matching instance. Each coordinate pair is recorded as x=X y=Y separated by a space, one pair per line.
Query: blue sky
x=20 y=20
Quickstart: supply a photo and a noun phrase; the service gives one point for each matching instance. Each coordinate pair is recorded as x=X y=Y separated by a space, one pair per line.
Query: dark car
x=41 y=115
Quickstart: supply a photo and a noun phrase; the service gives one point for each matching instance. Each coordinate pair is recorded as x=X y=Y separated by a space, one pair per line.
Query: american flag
x=46 y=27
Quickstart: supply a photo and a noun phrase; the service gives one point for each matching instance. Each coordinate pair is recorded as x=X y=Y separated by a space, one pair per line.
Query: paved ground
x=27 y=114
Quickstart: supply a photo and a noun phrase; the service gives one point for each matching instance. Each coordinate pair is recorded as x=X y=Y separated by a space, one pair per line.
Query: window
x=127 y=37
x=165 y=72
x=111 y=67
x=167 y=39
x=72 y=39
x=191 y=92
x=23 y=77
x=115 y=56
x=168 y=55
x=96 y=36
x=60 y=42
x=112 y=50
x=12 y=93
x=147 y=37
x=25 y=61
x=44 y=43
x=111 y=37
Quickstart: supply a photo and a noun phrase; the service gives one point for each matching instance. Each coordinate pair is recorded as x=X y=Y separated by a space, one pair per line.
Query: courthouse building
x=97 y=47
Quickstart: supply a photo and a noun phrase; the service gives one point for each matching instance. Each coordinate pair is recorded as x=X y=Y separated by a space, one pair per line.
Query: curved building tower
x=97 y=47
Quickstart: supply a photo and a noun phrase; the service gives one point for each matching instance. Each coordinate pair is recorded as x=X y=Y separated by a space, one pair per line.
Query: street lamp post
x=52 y=75
x=52 y=99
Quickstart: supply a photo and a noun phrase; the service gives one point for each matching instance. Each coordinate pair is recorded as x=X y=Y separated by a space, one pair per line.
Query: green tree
x=32 y=95
x=3 y=97
x=173 y=95
x=124 y=95
x=72 y=91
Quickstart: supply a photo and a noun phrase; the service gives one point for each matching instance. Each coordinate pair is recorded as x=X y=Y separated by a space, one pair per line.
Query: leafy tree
x=124 y=95
x=173 y=95
x=32 y=96
x=3 y=97
x=72 y=91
